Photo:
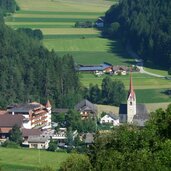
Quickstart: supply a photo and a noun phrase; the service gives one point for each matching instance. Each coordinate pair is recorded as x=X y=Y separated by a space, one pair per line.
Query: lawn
x=27 y=159
x=98 y=57
x=65 y=5
x=140 y=81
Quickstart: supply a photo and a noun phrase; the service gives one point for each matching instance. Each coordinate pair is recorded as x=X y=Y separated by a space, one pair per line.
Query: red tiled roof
x=131 y=88
x=5 y=130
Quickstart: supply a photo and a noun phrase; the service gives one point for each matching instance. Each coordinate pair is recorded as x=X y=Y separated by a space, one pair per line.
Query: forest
x=143 y=26
x=28 y=71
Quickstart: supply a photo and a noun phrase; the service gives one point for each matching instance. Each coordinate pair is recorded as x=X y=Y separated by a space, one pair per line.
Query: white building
x=35 y=114
x=132 y=112
x=38 y=142
x=110 y=118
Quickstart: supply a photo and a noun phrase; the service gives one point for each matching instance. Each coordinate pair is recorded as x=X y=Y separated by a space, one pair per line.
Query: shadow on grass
x=151 y=65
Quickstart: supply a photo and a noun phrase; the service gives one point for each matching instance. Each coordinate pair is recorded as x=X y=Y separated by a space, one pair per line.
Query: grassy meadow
x=57 y=18
x=30 y=160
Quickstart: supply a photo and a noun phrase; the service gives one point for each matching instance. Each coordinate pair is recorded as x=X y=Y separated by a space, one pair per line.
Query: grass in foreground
x=27 y=159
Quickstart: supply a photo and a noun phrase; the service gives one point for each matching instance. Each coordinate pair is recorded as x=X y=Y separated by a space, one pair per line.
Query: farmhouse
x=132 y=112
x=120 y=70
x=38 y=142
x=7 y=121
x=26 y=133
x=35 y=114
x=105 y=67
x=110 y=118
x=86 y=109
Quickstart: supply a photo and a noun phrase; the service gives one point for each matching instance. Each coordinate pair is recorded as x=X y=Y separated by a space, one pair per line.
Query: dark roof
x=22 y=108
x=37 y=139
x=113 y=116
x=31 y=132
x=86 y=105
x=123 y=68
x=141 y=111
x=8 y=120
x=100 y=67
x=123 y=109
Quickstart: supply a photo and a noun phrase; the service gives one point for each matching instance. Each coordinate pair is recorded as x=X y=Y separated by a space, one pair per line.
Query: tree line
x=128 y=147
x=144 y=26
x=112 y=92
x=8 y=6
x=28 y=71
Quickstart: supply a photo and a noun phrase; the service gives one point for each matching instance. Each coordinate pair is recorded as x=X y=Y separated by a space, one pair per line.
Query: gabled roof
x=48 y=104
x=23 y=108
x=86 y=105
x=31 y=132
x=8 y=120
x=37 y=139
x=141 y=112
x=113 y=116
x=100 y=67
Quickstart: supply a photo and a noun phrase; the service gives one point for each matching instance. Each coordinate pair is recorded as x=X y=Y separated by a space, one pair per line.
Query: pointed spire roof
x=48 y=104
x=131 y=88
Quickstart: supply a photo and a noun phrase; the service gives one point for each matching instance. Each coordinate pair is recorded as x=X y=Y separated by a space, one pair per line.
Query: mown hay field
x=27 y=159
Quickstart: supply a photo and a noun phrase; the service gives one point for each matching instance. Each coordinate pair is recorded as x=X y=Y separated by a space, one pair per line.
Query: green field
x=140 y=81
x=57 y=18
x=30 y=160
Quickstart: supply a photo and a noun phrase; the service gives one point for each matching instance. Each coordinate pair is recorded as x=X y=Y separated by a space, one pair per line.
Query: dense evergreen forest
x=144 y=26
x=28 y=71
x=8 y=6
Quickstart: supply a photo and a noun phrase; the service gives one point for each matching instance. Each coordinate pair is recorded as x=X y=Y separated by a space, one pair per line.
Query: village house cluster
x=34 y=120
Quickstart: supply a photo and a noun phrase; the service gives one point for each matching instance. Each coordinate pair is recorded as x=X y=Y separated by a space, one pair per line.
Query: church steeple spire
x=131 y=92
x=131 y=101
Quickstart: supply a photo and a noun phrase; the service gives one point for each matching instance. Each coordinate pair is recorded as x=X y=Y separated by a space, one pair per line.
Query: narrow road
x=139 y=63
x=149 y=73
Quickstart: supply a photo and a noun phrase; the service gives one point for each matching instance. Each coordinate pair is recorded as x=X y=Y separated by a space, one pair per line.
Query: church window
x=130 y=103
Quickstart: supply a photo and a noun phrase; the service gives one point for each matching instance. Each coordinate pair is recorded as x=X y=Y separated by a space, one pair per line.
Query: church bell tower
x=131 y=102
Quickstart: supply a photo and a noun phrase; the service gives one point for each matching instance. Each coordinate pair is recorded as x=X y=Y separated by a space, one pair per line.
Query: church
x=133 y=113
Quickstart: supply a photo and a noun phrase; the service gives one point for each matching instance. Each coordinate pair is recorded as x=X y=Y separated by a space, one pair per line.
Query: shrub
x=10 y=144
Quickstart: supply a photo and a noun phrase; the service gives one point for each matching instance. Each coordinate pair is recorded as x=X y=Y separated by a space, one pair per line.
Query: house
x=35 y=114
x=110 y=118
x=7 y=122
x=100 y=22
x=120 y=70
x=86 y=109
x=38 y=142
x=26 y=133
x=132 y=112
x=105 y=67
x=60 y=136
